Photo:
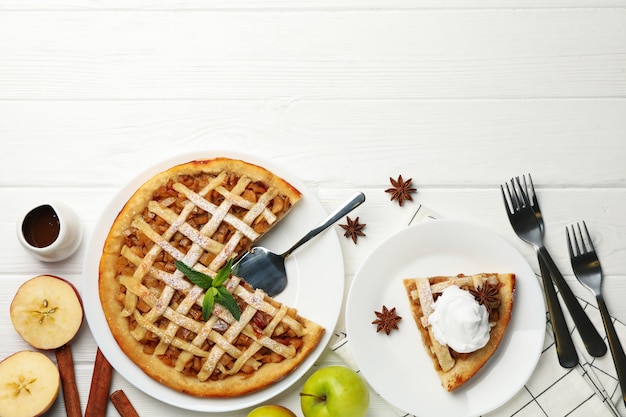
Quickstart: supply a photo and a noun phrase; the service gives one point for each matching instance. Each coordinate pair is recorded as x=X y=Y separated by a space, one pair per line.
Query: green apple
x=334 y=391
x=271 y=410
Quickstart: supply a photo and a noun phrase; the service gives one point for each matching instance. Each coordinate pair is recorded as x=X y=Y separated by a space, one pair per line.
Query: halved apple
x=47 y=311
x=29 y=384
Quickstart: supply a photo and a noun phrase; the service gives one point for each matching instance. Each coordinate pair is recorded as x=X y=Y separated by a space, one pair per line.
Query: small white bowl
x=51 y=231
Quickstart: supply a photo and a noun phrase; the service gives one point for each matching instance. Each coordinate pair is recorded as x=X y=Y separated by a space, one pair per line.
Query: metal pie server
x=265 y=269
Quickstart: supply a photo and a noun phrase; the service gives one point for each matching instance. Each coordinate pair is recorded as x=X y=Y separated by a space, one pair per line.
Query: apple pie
x=202 y=213
x=487 y=296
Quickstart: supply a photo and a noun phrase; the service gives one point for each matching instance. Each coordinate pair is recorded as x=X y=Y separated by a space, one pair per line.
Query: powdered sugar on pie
x=202 y=213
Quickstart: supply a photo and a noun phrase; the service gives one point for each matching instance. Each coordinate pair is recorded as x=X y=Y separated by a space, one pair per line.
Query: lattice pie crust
x=203 y=213
x=453 y=368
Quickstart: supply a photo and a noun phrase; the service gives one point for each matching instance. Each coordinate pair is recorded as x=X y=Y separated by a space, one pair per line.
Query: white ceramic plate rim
x=311 y=270
x=397 y=366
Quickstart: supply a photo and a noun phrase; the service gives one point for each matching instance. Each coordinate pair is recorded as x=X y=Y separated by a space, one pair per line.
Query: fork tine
x=582 y=248
x=522 y=194
x=526 y=189
x=531 y=194
x=573 y=251
x=514 y=192
x=589 y=241
x=530 y=191
x=517 y=194
x=512 y=196
x=507 y=205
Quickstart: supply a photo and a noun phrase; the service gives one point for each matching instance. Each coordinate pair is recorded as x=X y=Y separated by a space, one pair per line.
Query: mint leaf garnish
x=227 y=300
x=223 y=274
x=214 y=288
x=207 y=304
x=200 y=279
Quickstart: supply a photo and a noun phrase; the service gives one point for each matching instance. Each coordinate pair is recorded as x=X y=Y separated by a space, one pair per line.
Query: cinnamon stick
x=122 y=404
x=100 y=386
x=65 y=362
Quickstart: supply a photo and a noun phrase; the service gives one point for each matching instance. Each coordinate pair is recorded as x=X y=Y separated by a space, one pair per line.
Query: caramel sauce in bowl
x=50 y=231
x=41 y=226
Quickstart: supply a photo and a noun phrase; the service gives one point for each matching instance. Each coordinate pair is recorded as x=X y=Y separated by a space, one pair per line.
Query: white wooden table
x=458 y=95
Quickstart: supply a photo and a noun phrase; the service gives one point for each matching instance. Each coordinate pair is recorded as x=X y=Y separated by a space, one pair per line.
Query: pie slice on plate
x=202 y=213
x=462 y=320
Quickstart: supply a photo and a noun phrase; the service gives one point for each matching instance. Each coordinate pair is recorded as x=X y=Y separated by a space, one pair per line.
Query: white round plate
x=312 y=270
x=396 y=365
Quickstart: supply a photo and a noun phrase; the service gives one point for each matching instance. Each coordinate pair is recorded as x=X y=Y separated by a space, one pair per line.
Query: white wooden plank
x=439 y=143
x=250 y=55
x=147 y=5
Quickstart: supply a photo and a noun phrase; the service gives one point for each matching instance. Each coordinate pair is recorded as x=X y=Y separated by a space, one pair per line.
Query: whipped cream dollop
x=459 y=321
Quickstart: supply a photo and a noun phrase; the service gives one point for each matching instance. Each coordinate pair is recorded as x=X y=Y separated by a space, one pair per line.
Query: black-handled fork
x=588 y=271
x=522 y=219
x=564 y=344
x=526 y=226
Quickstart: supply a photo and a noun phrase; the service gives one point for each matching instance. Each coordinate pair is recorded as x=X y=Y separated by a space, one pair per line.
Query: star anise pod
x=353 y=229
x=487 y=295
x=401 y=189
x=387 y=320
